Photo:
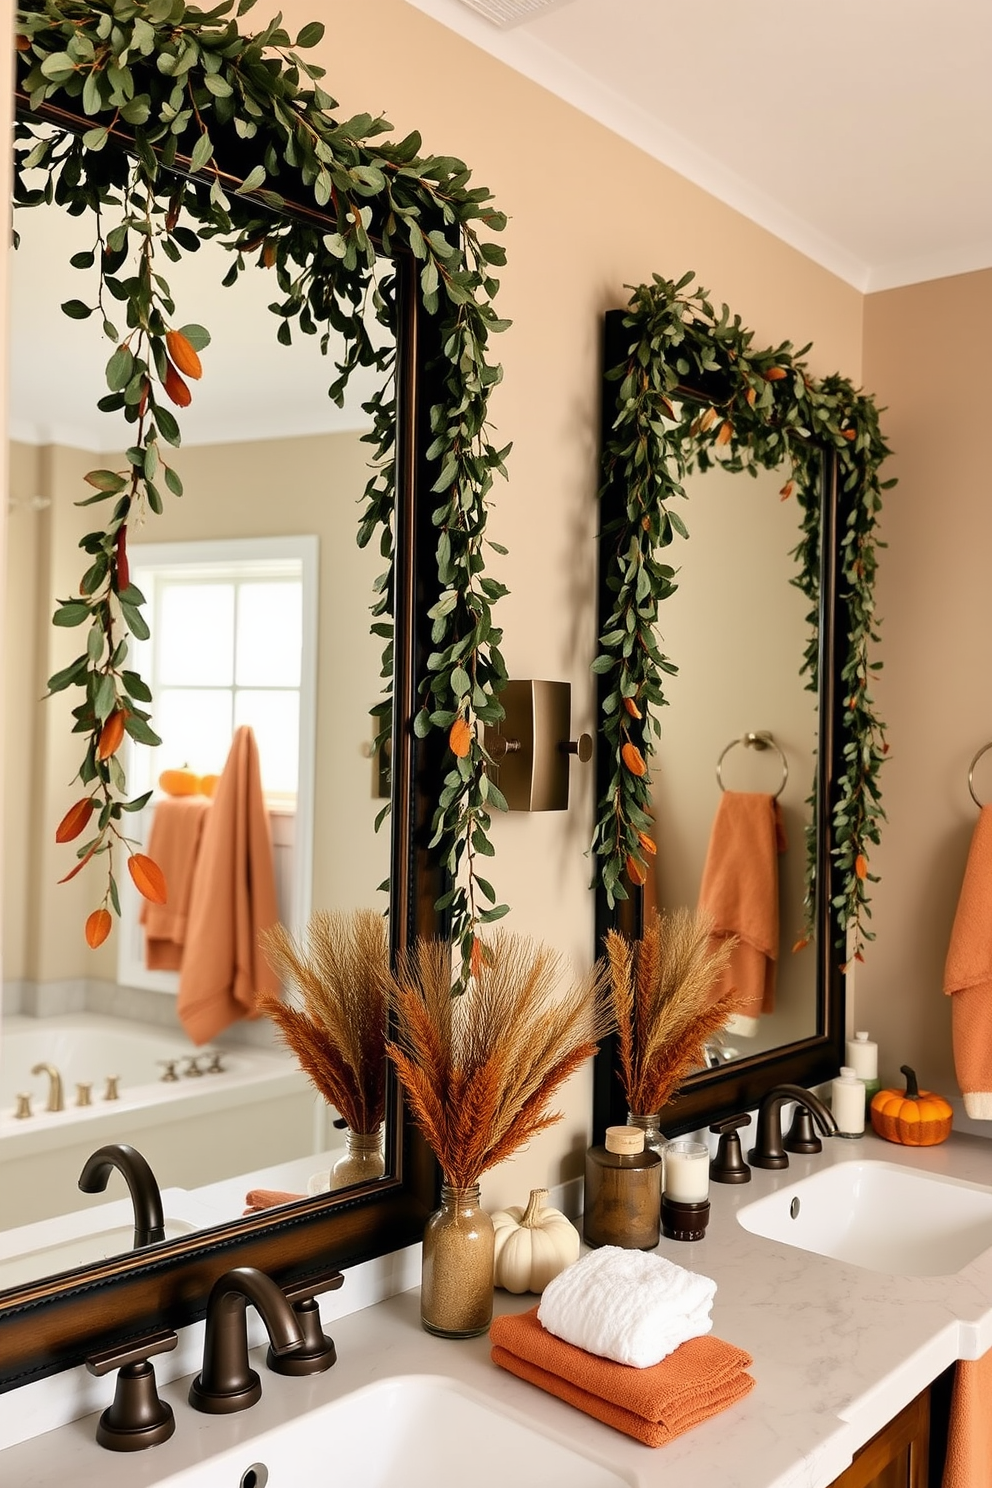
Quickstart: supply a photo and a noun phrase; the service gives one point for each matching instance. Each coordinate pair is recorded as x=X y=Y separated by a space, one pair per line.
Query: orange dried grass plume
x=338 y=1032
x=479 y=1069
x=663 y=994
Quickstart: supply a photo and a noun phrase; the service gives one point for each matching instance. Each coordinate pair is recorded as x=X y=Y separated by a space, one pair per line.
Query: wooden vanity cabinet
x=899 y=1456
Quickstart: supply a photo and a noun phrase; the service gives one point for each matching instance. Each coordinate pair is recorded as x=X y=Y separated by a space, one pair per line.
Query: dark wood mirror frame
x=57 y=1322
x=711 y=1095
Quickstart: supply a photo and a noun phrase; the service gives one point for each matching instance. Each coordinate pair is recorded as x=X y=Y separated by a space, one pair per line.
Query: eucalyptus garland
x=761 y=408
x=200 y=131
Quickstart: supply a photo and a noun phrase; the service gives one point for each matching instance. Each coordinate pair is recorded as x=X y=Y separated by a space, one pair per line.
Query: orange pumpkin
x=182 y=782
x=913 y=1117
x=208 y=784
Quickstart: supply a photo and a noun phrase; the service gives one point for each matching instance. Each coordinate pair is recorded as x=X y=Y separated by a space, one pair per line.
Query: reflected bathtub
x=195 y=1130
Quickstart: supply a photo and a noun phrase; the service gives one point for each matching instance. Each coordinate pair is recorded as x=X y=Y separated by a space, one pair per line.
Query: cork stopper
x=624 y=1139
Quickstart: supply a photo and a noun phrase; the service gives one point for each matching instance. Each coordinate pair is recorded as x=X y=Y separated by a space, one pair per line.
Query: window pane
x=196 y=635
x=270 y=634
x=195 y=727
x=275 y=717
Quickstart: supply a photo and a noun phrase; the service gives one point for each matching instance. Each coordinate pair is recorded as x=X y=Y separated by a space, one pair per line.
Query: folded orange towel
x=174 y=843
x=233 y=898
x=739 y=891
x=258 y=1199
x=968 y=975
x=655 y=1405
x=969 y=1439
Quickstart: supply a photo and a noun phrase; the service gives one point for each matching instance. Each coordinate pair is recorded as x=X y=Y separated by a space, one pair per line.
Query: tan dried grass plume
x=479 y=1069
x=662 y=991
x=338 y=1032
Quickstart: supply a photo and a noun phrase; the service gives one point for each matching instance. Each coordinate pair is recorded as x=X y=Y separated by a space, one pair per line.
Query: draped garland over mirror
x=200 y=131
x=693 y=391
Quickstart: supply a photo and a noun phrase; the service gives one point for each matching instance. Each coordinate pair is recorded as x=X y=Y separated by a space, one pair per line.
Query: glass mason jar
x=363 y=1159
x=654 y=1138
x=456 y=1293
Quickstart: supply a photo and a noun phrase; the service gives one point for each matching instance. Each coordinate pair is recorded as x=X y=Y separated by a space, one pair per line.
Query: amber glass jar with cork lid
x=623 y=1191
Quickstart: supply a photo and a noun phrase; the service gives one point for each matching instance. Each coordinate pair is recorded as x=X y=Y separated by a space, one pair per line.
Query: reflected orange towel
x=739 y=891
x=968 y=975
x=174 y=843
x=232 y=899
x=260 y=1199
x=969 y=1439
x=701 y=1378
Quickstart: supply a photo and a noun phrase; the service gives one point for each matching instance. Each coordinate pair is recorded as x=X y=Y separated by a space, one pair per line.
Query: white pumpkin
x=532 y=1244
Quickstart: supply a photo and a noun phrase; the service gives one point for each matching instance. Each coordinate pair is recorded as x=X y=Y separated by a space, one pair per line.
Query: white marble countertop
x=838 y=1351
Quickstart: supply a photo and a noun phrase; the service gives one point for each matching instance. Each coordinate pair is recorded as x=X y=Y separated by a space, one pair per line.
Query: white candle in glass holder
x=687 y=1172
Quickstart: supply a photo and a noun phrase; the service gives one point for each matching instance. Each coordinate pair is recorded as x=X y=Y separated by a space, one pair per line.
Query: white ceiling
x=858 y=131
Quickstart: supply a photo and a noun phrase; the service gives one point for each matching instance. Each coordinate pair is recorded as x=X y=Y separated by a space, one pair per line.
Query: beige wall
x=927 y=361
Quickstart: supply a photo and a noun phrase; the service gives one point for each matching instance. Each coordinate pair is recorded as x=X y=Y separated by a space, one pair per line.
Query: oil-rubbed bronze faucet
x=768 y=1150
x=227 y=1382
x=56 y=1101
x=149 y=1221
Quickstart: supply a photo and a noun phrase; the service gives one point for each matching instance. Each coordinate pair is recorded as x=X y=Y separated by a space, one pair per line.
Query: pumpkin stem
x=531 y=1215
x=912 y=1088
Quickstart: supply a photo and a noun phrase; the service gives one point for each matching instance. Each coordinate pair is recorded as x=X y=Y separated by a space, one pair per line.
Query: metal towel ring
x=762 y=739
x=971 y=773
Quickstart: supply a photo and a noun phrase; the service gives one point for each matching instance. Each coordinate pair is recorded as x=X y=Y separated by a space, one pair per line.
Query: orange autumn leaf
x=707 y=420
x=460 y=737
x=98 y=928
x=79 y=866
x=861 y=866
x=148 y=878
x=22 y=43
x=175 y=388
x=849 y=433
x=75 y=820
x=636 y=871
x=801 y=944
x=648 y=844
x=632 y=708
x=751 y=396
x=775 y=374
x=269 y=255
x=787 y=490
x=111 y=735
x=726 y=432
x=667 y=407
x=183 y=353
x=633 y=759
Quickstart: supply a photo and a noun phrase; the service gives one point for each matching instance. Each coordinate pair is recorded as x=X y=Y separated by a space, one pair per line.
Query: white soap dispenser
x=847 y=1102
x=862 y=1056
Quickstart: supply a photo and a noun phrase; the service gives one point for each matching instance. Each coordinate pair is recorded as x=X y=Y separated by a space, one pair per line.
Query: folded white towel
x=628 y=1305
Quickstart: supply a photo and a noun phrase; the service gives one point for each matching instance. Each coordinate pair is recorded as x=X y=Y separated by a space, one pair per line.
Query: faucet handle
x=729 y=1166
x=137 y=1418
x=801 y=1137
x=318 y=1352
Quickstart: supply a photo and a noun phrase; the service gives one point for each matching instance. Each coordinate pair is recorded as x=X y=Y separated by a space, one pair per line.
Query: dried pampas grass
x=338 y=1034
x=662 y=991
x=480 y=1068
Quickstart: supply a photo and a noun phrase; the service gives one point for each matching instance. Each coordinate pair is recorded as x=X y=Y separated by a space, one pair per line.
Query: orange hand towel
x=174 y=843
x=739 y=891
x=260 y=1199
x=968 y=975
x=233 y=898
x=701 y=1378
x=969 y=1439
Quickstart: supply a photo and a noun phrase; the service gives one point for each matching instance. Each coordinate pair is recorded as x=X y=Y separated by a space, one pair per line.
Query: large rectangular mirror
x=291 y=476
x=737 y=628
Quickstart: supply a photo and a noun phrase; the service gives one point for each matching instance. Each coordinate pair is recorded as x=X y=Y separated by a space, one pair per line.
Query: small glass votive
x=685 y=1206
x=687 y=1172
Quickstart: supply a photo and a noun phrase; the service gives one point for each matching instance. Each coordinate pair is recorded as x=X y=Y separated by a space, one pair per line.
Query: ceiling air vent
x=506 y=13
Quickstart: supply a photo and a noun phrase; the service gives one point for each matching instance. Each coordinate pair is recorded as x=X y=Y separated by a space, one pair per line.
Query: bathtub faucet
x=149 y=1221
x=56 y=1101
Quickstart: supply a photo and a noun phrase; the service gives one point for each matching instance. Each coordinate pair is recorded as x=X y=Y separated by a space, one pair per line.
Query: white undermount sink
x=408 y=1431
x=879 y=1215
